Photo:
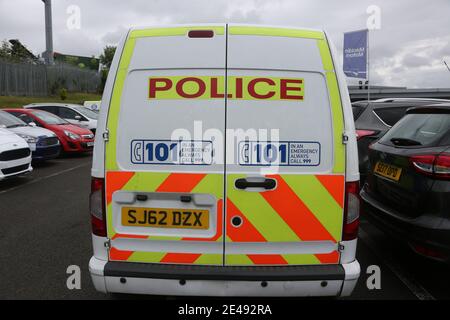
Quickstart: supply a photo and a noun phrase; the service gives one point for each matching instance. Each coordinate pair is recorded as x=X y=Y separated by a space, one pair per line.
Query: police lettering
x=204 y=87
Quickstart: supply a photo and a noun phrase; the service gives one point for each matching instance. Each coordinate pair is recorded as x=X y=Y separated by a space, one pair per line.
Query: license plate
x=90 y=144
x=165 y=218
x=388 y=171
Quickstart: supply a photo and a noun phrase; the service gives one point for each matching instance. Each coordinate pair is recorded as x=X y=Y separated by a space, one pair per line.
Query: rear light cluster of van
x=351 y=211
x=97 y=207
x=434 y=165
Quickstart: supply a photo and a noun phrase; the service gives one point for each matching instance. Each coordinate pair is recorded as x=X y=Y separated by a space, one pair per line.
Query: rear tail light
x=364 y=133
x=97 y=207
x=351 y=211
x=433 y=165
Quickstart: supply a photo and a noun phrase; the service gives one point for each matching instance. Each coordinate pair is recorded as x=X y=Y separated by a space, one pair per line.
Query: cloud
x=408 y=50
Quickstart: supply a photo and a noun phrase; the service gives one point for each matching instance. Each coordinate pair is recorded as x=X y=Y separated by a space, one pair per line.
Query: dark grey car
x=374 y=119
x=407 y=191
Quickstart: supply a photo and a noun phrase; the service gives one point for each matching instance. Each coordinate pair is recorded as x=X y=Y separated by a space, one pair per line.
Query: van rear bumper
x=189 y=280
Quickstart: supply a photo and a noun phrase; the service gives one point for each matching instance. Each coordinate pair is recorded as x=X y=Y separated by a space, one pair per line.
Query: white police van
x=225 y=164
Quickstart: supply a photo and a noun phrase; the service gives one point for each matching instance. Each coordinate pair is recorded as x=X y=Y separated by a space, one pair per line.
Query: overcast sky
x=408 y=49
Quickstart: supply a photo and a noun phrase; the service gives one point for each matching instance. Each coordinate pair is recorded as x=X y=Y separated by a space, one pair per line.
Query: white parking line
x=416 y=288
x=45 y=177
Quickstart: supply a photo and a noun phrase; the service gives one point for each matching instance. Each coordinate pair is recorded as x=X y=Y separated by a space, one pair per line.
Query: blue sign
x=355 y=54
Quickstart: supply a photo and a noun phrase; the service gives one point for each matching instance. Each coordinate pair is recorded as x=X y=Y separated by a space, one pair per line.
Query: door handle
x=267 y=184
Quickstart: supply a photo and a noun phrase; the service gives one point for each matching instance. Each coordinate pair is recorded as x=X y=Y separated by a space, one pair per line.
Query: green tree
x=5 y=50
x=107 y=56
x=72 y=60
x=14 y=51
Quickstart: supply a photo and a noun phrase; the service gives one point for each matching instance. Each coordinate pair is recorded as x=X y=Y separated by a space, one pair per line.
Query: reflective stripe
x=262 y=216
x=175 y=31
x=320 y=202
x=165 y=182
x=334 y=185
x=247 y=232
x=291 y=207
x=275 y=32
x=116 y=181
x=289 y=213
x=114 y=107
x=336 y=106
x=180 y=182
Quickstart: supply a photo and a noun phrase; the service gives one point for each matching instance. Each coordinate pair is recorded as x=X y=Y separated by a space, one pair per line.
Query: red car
x=72 y=137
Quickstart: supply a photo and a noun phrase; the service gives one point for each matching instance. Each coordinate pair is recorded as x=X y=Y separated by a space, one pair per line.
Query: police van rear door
x=164 y=189
x=285 y=164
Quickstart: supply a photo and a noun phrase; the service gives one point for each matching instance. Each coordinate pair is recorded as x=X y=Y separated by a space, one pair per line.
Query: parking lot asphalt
x=45 y=227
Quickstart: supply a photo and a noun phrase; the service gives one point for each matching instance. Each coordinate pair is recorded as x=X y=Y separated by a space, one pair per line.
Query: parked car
x=73 y=113
x=15 y=155
x=43 y=143
x=92 y=105
x=408 y=187
x=374 y=119
x=71 y=137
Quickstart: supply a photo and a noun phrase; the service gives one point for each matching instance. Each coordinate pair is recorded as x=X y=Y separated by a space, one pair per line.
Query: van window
x=391 y=116
x=426 y=130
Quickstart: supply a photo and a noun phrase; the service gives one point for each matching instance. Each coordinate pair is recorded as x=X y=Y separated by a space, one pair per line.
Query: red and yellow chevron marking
x=157 y=182
x=301 y=208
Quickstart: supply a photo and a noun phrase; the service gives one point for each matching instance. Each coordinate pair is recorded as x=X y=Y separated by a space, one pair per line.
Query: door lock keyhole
x=236 y=221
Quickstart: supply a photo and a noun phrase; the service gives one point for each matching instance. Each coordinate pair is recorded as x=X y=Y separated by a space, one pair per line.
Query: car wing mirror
x=32 y=124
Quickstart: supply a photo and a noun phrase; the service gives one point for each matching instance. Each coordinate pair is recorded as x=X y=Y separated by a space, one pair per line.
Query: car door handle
x=267 y=184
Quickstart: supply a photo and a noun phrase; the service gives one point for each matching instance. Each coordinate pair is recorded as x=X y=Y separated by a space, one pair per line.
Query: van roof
x=195 y=25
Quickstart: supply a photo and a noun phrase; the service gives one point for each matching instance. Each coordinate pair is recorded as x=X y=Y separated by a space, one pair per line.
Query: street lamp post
x=48 y=54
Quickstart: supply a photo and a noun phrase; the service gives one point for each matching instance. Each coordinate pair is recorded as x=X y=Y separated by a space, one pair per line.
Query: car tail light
x=433 y=165
x=351 y=211
x=97 y=207
x=429 y=252
x=364 y=133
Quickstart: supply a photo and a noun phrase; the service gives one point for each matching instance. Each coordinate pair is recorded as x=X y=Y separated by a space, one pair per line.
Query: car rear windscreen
x=390 y=116
x=357 y=110
x=422 y=130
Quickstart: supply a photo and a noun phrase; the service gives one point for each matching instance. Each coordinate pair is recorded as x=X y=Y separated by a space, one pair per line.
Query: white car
x=73 y=113
x=93 y=105
x=44 y=144
x=15 y=155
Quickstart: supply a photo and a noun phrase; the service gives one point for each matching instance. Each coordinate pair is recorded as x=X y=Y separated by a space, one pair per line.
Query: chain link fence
x=21 y=79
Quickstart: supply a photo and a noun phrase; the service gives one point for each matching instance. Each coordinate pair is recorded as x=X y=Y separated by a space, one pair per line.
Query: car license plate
x=90 y=144
x=165 y=218
x=388 y=171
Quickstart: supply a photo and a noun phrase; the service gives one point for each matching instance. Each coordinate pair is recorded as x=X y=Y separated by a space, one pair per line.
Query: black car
x=374 y=119
x=407 y=191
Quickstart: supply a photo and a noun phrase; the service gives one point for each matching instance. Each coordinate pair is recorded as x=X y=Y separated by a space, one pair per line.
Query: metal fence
x=18 y=79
